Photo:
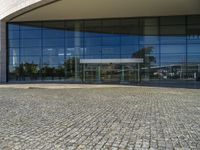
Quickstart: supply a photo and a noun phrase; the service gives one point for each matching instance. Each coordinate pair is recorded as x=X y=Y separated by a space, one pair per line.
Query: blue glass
x=25 y=34
x=30 y=26
x=13 y=26
x=74 y=34
x=192 y=39
x=130 y=49
x=54 y=51
x=92 y=50
x=175 y=49
x=92 y=56
x=14 y=51
x=173 y=58
x=13 y=60
x=13 y=34
x=30 y=43
x=92 y=42
x=92 y=34
x=194 y=58
x=193 y=49
x=152 y=49
x=53 y=33
x=74 y=51
x=13 y=43
x=53 y=60
x=172 y=39
x=149 y=40
x=30 y=60
x=53 y=42
x=111 y=50
x=110 y=56
x=74 y=42
x=129 y=39
x=32 y=51
x=111 y=41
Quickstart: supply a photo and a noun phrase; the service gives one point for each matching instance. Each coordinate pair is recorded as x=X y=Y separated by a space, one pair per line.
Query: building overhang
x=92 y=9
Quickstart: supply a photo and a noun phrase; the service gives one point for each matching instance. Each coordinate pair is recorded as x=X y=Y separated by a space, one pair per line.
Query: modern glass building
x=151 y=49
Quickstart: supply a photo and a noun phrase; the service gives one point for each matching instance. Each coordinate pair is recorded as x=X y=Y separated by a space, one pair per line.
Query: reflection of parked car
x=198 y=76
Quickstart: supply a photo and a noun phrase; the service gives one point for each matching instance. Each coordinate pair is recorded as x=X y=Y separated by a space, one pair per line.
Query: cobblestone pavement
x=101 y=118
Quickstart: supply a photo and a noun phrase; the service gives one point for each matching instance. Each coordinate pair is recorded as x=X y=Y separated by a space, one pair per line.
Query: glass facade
x=52 y=50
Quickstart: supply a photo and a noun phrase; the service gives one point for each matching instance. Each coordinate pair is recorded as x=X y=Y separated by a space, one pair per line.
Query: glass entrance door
x=111 y=73
x=90 y=73
x=131 y=73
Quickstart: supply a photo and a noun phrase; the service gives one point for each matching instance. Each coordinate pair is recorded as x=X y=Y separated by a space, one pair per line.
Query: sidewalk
x=59 y=86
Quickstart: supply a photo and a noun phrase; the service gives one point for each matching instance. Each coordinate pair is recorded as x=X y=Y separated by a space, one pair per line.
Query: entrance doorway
x=111 y=70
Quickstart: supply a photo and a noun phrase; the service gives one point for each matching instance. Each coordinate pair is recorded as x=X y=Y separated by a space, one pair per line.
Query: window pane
x=148 y=21
x=111 y=41
x=74 y=42
x=30 y=34
x=56 y=51
x=110 y=50
x=175 y=49
x=13 y=60
x=92 y=41
x=93 y=50
x=92 y=23
x=74 y=51
x=110 y=22
x=129 y=49
x=59 y=25
x=194 y=29
x=129 y=22
x=74 y=29
x=149 y=30
x=13 y=43
x=149 y=40
x=170 y=59
x=194 y=58
x=192 y=39
x=14 y=51
x=173 y=39
x=193 y=19
x=149 y=49
x=53 y=33
x=175 y=20
x=13 y=34
x=193 y=48
x=53 y=60
x=30 y=51
x=30 y=60
x=30 y=43
x=53 y=42
x=30 y=26
x=93 y=32
x=172 y=30
x=13 y=26
x=129 y=40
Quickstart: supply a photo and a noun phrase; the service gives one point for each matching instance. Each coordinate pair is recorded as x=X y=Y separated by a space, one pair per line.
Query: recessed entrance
x=111 y=70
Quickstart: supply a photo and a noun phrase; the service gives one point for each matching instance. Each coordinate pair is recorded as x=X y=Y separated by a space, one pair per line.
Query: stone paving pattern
x=99 y=118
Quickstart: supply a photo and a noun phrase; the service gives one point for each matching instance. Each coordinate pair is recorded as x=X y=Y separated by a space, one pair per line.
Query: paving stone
x=112 y=118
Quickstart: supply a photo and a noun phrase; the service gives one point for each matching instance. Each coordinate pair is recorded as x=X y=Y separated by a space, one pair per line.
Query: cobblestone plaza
x=99 y=118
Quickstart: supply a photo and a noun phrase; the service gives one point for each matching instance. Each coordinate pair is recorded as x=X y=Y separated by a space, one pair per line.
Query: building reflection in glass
x=51 y=50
